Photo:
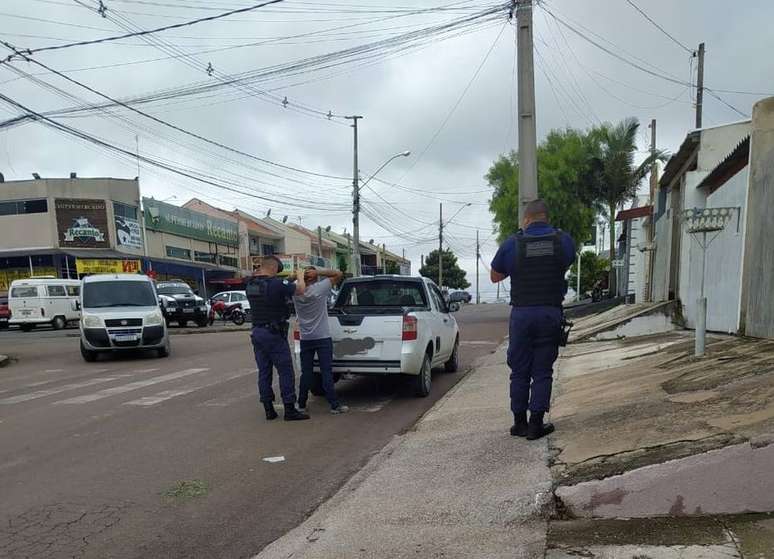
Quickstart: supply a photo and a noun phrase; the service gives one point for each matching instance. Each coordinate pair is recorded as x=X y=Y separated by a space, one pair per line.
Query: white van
x=121 y=312
x=44 y=300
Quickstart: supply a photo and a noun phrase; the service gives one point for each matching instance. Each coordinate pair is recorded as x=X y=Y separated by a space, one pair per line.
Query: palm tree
x=618 y=176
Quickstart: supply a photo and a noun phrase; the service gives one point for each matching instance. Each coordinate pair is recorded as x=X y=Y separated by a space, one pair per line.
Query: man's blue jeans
x=323 y=348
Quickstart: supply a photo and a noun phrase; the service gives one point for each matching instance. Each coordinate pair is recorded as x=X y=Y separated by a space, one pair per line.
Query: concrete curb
x=455 y=485
x=4 y=360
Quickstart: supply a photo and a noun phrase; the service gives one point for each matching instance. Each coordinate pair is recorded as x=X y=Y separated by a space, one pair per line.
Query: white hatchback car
x=121 y=312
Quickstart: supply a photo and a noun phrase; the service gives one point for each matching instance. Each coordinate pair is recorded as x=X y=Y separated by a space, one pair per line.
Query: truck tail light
x=296 y=333
x=409 y=328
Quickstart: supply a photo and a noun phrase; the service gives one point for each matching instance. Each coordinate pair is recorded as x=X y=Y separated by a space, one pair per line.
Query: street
x=135 y=456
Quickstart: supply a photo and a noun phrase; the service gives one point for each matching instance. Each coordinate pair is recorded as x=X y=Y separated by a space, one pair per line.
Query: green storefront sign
x=168 y=218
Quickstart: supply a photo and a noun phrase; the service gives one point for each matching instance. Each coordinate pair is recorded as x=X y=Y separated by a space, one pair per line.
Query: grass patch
x=187 y=489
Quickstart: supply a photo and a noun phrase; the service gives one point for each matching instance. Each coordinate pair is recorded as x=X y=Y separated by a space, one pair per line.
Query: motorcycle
x=227 y=312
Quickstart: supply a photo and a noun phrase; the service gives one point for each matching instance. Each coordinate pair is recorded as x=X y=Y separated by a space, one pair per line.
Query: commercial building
x=67 y=227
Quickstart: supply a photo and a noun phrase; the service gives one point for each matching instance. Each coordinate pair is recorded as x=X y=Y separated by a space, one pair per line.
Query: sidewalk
x=457 y=486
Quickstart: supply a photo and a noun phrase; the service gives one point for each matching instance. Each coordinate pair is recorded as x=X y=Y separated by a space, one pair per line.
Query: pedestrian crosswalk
x=58 y=390
x=168 y=394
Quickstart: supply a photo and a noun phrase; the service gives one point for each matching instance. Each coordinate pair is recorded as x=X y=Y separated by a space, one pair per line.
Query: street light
x=356 y=210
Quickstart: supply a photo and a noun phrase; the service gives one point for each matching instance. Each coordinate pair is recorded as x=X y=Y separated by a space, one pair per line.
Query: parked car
x=229 y=297
x=391 y=325
x=43 y=301
x=460 y=297
x=121 y=312
x=180 y=304
x=5 y=312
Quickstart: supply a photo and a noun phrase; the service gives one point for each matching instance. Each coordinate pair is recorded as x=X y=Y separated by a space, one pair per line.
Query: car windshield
x=102 y=294
x=382 y=293
x=174 y=289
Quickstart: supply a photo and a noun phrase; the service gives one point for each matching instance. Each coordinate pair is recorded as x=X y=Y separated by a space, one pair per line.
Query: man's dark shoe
x=271 y=413
x=536 y=429
x=292 y=414
x=519 y=428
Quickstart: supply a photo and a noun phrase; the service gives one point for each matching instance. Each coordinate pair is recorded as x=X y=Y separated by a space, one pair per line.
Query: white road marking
x=274 y=459
x=479 y=343
x=52 y=391
x=167 y=394
x=224 y=401
x=54 y=371
x=107 y=392
x=372 y=407
x=145 y=370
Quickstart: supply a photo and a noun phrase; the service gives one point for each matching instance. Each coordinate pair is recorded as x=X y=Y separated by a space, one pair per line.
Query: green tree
x=453 y=275
x=568 y=164
x=618 y=178
x=593 y=269
x=391 y=267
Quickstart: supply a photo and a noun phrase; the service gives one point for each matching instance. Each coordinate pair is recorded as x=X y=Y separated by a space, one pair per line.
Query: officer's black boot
x=519 y=428
x=536 y=429
x=271 y=413
x=292 y=414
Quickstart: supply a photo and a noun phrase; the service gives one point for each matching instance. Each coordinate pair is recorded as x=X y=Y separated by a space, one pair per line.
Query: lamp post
x=356 y=211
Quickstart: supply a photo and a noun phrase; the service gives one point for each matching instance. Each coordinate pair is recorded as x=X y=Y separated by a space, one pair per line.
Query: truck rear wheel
x=421 y=383
x=59 y=322
x=453 y=364
x=26 y=327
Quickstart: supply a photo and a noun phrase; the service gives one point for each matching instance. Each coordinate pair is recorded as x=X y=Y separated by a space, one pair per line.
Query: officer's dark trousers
x=272 y=350
x=533 y=348
x=323 y=348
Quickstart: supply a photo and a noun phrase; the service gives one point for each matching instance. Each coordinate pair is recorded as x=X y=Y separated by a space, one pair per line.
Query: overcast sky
x=444 y=98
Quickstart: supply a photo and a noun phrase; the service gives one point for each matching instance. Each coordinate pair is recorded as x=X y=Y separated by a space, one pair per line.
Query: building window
x=204 y=257
x=229 y=261
x=267 y=250
x=21 y=207
x=175 y=252
x=123 y=210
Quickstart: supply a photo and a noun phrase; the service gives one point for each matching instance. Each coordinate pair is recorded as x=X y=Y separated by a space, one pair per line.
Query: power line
x=151 y=31
x=726 y=103
x=664 y=31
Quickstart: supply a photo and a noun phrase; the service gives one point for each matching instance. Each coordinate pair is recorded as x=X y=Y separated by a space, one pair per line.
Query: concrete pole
x=701 y=306
x=478 y=261
x=528 y=190
x=577 y=286
x=700 y=86
x=319 y=242
x=32 y=273
x=440 y=248
x=355 y=203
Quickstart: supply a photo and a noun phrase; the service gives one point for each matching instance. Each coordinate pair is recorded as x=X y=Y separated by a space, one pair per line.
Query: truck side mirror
x=77 y=305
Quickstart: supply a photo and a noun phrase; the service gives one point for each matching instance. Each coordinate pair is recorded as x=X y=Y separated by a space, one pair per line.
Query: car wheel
x=164 y=351
x=182 y=323
x=202 y=322
x=58 y=323
x=88 y=355
x=453 y=364
x=423 y=381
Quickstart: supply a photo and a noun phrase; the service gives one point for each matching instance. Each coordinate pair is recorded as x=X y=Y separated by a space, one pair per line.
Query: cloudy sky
x=436 y=78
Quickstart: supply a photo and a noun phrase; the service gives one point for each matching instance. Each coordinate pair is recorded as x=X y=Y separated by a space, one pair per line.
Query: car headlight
x=154 y=319
x=170 y=304
x=91 y=321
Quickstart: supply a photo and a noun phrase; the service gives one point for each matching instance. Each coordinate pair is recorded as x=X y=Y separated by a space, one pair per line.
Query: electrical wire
x=151 y=31
x=660 y=28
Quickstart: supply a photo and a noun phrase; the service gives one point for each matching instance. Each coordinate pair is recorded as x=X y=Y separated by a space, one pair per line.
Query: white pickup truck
x=390 y=325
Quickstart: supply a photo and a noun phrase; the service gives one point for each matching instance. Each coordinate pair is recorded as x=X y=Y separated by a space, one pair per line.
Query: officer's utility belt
x=280 y=328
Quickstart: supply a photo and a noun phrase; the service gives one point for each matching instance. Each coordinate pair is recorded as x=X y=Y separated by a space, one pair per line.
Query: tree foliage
x=453 y=275
x=567 y=167
x=593 y=269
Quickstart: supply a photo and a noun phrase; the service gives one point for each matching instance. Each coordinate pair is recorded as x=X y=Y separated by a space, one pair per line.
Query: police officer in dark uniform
x=536 y=259
x=269 y=298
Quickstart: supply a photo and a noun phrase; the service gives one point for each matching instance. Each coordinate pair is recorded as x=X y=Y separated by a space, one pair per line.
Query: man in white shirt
x=312 y=313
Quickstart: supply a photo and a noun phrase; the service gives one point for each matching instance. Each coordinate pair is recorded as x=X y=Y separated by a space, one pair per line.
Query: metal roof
x=729 y=166
x=688 y=149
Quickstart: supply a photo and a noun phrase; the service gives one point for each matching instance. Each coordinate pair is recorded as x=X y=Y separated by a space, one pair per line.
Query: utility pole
x=700 y=86
x=528 y=190
x=577 y=286
x=440 y=248
x=384 y=258
x=478 y=260
x=319 y=241
x=355 y=203
x=422 y=259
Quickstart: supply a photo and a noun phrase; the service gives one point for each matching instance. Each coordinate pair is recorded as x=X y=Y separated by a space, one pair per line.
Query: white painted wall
x=724 y=257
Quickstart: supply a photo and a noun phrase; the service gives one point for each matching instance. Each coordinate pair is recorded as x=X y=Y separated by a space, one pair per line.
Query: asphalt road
x=136 y=456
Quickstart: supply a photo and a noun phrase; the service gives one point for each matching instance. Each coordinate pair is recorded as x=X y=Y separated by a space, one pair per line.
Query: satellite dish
x=285 y=219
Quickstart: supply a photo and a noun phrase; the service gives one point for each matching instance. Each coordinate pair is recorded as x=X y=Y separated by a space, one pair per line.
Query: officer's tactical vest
x=265 y=309
x=538 y=276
